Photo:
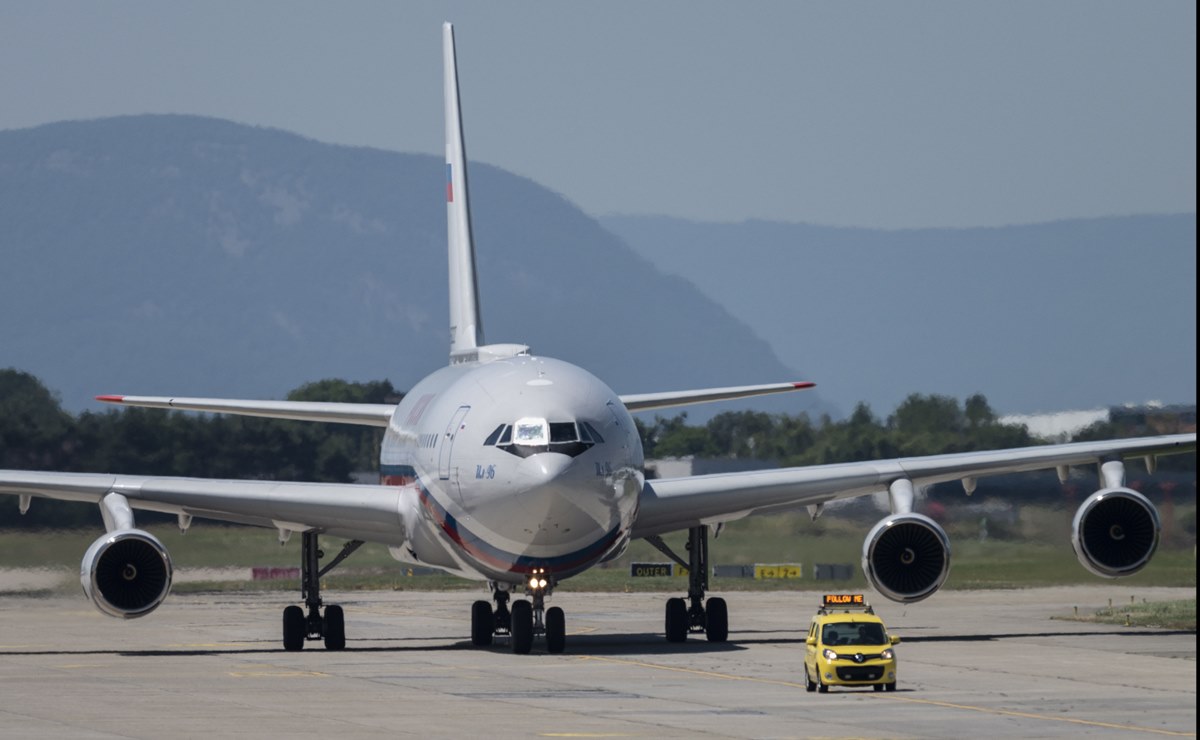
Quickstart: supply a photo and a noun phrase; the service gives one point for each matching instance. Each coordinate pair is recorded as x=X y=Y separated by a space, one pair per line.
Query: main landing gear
x=693 y=614
x=299 y=626
x=525 y=620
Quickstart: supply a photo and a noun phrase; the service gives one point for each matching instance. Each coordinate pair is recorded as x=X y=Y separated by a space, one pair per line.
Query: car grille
x=860 y=673
x=860 y=657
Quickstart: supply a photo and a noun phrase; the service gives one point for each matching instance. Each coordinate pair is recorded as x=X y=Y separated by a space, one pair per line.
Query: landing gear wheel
x=677 y=620
x=522 y=627
x=483 y=624
x=890 y=686
x=556 y=630
x=716 y=620
x=809 y=686
x=335 y=628
x=294 y=628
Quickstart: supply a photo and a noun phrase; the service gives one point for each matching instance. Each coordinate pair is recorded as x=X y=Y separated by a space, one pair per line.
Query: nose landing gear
x=528 y=618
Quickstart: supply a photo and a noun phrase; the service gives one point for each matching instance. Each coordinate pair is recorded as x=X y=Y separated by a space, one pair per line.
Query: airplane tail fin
x=466 y=329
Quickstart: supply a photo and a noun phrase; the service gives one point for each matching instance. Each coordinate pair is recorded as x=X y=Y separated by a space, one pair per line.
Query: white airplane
x=521 y=471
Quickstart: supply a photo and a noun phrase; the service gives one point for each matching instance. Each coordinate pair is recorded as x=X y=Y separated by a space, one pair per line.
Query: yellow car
x=848 y=645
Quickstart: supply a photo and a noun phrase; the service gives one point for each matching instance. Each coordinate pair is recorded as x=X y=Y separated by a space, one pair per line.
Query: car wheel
x=809 y=686
x=891 y=686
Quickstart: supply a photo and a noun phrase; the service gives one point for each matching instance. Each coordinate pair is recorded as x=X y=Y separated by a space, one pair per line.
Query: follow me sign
x=758 y=570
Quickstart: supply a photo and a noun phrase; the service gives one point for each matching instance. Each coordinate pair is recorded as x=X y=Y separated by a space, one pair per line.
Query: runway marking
x=893 y=697
x=1030 y=715
x=278 y=674
x=585 y=735
x=84 y=665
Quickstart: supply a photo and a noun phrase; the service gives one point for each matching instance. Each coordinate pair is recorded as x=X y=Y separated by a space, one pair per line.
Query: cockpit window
x=530 y=436
x=530 y=432
x=588 y=433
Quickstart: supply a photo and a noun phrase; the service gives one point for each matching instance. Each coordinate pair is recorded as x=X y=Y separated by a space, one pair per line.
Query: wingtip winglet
x=800 y=385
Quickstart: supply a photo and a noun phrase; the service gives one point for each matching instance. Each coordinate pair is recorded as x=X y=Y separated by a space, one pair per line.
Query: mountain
x=1076 y=314
x=180 y=255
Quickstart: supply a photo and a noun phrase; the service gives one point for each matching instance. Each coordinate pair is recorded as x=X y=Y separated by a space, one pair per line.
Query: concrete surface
x=982 y=664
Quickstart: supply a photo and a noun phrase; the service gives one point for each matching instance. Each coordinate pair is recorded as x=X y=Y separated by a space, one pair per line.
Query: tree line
x=37 y=434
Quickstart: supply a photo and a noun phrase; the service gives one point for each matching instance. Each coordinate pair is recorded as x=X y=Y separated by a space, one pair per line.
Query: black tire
x=821 y=687
x=878 y=687
x=522 y=627
x=294 y=628
x=677 y=620
x=809 y=685
x=483 y=624
x=335 y=628
x=890 y=686
x=556 y=630
x=716 y=620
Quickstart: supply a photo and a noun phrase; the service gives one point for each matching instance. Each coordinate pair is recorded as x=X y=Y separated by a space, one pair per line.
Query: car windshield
x=853 y=633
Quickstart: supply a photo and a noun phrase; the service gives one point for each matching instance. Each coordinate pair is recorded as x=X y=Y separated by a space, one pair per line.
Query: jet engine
x=1115 y=532
x=906 y=557
x=126 y=573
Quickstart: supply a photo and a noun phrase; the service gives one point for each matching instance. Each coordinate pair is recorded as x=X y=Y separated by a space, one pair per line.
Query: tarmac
x=971 y=663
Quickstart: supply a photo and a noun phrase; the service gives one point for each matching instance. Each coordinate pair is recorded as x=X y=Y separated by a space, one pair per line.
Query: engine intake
x=127 y=573
x=1115 y=532
x=906 y=557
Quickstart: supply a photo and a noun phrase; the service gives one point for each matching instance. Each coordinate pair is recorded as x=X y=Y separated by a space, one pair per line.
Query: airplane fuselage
x=512 y=466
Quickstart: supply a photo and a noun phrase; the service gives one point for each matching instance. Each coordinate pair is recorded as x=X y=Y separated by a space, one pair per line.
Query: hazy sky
x=879 y=114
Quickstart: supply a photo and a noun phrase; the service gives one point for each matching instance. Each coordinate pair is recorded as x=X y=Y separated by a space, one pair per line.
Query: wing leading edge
x=365 y=414
x=647 y=401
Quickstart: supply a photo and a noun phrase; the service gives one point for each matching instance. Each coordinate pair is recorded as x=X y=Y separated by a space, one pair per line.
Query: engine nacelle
x=906 y=557
x=126 y=573
x=1115 y=532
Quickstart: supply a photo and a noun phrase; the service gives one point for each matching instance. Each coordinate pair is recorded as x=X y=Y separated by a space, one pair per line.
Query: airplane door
x=452 y=430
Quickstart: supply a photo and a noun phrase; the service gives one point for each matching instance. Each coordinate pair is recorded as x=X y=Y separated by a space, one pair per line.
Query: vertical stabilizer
x=466 y=331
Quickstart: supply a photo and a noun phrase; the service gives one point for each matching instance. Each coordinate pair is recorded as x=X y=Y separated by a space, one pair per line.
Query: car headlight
x=829 y=654
x=887 y=654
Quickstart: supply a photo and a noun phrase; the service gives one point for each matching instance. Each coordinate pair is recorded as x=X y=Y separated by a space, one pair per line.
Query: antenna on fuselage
x=466 y=328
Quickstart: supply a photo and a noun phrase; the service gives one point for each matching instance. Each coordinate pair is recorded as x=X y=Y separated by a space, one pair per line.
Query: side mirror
x=811 y=641
x=895 y=640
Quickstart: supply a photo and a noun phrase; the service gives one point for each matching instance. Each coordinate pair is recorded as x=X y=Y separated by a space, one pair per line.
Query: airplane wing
x=346 y=510
x=680 y=503
x=646 y=401
x=365 y=414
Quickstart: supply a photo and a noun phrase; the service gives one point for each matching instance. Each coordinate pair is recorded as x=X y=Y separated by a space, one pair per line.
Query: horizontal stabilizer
x=365 y=414
x=644 y=401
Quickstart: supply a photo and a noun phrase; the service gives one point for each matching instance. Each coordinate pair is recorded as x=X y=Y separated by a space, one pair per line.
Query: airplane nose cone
x=544 y=468
x=556 y=506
